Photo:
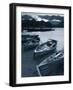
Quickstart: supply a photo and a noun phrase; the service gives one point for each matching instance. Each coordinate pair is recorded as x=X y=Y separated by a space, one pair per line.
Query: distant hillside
x=40 y=21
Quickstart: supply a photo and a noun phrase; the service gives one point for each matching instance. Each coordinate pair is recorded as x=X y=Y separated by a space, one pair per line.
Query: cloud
x=56 y=20
x=37 y=18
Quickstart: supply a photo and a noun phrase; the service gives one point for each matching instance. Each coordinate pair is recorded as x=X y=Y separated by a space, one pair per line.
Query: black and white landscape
x=42 y=44
x=31 y=21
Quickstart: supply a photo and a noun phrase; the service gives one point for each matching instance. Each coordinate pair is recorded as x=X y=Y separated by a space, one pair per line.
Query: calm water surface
x=58 y=35
x=28 y=62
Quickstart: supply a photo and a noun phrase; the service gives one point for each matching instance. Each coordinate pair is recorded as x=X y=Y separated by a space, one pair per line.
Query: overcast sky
x=34 y=14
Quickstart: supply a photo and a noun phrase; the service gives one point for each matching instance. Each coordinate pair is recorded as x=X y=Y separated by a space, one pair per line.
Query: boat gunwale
x=39 y=51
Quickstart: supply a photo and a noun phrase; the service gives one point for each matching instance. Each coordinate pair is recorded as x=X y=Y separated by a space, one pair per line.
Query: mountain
x=31 y=17
x=26 y=17
x=42 y=21
x=44 y=18
x=58 y=17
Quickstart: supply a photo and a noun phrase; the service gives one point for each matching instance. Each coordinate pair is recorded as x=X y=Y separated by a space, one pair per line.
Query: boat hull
x=52 y=65
x=53 y=68
x=43 y=52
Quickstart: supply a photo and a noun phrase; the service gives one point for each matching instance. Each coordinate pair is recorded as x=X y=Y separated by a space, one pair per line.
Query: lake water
x=28 y=62
x=57 y=34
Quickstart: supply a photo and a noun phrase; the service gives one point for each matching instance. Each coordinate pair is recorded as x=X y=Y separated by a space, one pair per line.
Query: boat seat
x=52 y=45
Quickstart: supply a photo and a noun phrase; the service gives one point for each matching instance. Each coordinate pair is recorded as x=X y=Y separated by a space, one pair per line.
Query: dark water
x=29 y=62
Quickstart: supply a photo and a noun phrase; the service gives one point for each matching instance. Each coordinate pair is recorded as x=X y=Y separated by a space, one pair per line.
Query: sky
x=34 y=14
